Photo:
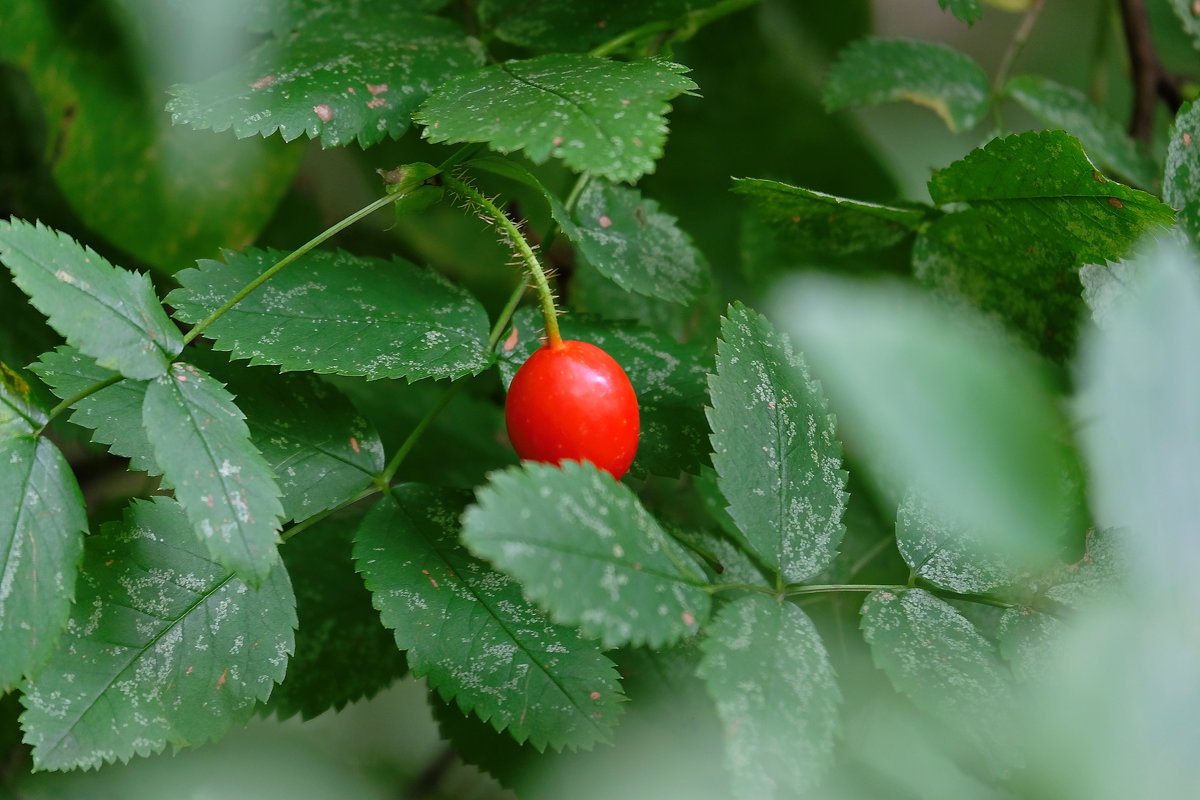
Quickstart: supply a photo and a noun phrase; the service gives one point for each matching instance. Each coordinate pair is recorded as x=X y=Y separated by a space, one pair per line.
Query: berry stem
x=513 y=234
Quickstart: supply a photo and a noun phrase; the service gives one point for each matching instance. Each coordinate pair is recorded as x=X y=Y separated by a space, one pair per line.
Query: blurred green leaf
x=1186 y=11
x=935 y=657
x=1027 y=639
x=343 y=653
x=357 y=74
x=775 y=448
x=163 y=647
x=815 y=221
x=639 y=247
x=600 y=116
x=114 y=413
x=668 y=377
x=1181 y=187
x=577 y=26
x=877 y=71
x=767 y=669
x=108 y=313
x=472 y=635
x=161 y=193
x=554 y=528
x=335 y=312
x=201 y=441
x=969 y=11
x=284 y=16
x=931 y=396
x=1102 y=136
x=41 y=539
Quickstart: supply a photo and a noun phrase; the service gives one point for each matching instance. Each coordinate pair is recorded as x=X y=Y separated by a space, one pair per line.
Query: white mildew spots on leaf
x=933 y=654
x=41 y=539
x=471 y=634
x=163 y=646
x=330 y=79
x=946 y=554
x=110 y=314
x=589 y=553
x=775 y=449
x=600 y=116
x=1027 y=639
x=418 y=325
x=220 y=479
x=775 y=691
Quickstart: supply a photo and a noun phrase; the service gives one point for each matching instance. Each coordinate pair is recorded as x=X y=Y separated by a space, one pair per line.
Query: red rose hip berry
x=573 y=402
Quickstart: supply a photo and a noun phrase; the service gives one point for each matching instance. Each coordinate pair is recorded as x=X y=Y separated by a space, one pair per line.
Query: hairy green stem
x=513 y=234
x=329 y=512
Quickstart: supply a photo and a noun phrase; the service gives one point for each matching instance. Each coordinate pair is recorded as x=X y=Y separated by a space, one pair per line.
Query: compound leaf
x=599 y=116
x=933 y=655
x=639 y=247
x=352 y=75
x=588 y=551
x=113 y=414
x=667 y=376
x=339 y=313
x=163 y=647
x=343 y=652
x=200 y=440
x=1181 y=187
x=41 y=539
x=777 y=455
x=108 y=313
x=818 y=222
x=1063 y=107
x=876 y=71
x=775 y=690
x=472 y=635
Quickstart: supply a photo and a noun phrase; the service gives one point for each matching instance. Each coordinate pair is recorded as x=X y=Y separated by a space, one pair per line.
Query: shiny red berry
x=573 y=402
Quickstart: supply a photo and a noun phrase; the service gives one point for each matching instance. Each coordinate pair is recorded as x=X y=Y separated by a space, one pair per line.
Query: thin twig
x=1150 y=79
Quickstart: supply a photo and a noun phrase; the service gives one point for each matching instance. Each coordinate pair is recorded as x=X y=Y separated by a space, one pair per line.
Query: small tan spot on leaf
x=323 y=112
x=263 y=82
x=605 y=222
x=1115 y=203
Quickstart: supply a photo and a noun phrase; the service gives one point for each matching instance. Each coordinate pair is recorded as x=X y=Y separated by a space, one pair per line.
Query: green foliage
x=969 y=11
x=468 y=631
x=875 y=71
x=631 y=584
x=340 y=77
x=548 y=25
x=775 y=449
x=1181 y=189
x=599 y=116
x=108 y=313
x=411 y=324
x=163 y=646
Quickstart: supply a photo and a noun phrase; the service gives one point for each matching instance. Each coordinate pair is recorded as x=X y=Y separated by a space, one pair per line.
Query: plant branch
x=385 y=478
x=1150 y=79
x=322 y=516
x=1015 y=45
x=75 y=398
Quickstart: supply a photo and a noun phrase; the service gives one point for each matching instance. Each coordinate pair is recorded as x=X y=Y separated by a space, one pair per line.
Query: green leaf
x=472 y=635
x=201 y=442
x=161 y=193
x=818 y=222
x=108 y=313
x=1099 y=575
x=1186 y=11
x=335 y=312
x=343 y=653
x=41 y=539
x=321 y=450
x=969 y=11
x=163 y=647
x=774 y=687
x=1063 y=107
x=350 y=76
x=948 y=554
x=640 y=248
x=284 y=16
x=576 y=26
x=668 y=378
x=1181 y=187
x=1042 y=184
x=877 y=71
x=775 y=449
x=937 y=659
x=114 y=413
x=1104 y=285
x=599 y=116
x=1027 y=280
x=1027 y=639
x=589 y=552
x=937 y=399
x=1139 y=384
x=20 y=413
